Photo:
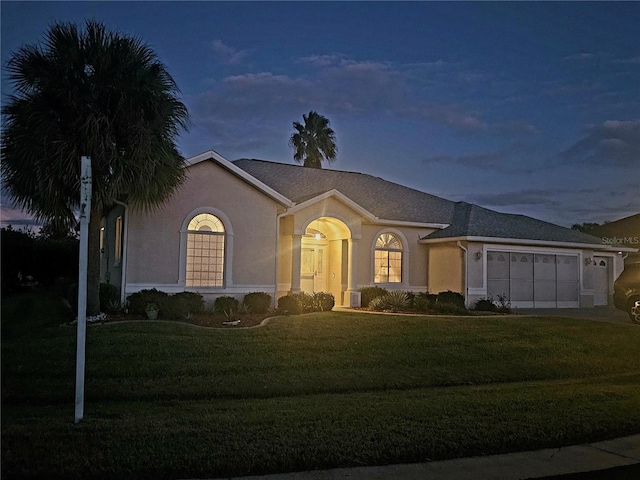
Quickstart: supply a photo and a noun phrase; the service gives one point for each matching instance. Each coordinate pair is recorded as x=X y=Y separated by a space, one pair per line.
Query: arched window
x=205 y=251
x=388 y=259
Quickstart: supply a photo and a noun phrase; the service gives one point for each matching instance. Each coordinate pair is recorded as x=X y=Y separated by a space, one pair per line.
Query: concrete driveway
x=600 y=314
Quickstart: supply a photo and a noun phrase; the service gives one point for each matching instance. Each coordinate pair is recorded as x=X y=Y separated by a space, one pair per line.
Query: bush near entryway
x=302 y=302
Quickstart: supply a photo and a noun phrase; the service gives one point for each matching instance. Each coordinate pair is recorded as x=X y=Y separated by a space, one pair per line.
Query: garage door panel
x=601 y=275
x=545 y=281
x=534 y=280
x=496 y=288
x=521 y=279
x=568 y=281
x=498 y=275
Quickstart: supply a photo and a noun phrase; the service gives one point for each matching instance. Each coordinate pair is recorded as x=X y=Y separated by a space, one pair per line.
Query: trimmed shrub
x=109 y=298
x=306 y=302
x=369 y=293
x=225 y=305
x=139 y=300
x=451 y=298
x=289 y=305
x=485 y=305
x=422 y=301
x=182 y=305
x=294 y=304
x=323 y=301
x=257 y=302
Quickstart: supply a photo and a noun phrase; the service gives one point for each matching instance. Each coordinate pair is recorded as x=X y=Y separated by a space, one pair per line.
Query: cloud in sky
x=568 y=205
x=614 y=143
x=546 y=197
x=506 y=160
x=228 y=54
x=335 y=83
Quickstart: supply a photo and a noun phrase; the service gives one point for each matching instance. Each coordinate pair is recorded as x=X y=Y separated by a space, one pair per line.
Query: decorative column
x=296 y=253
x=353 y=295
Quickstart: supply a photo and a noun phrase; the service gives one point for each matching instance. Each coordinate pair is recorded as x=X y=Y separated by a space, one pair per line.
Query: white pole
x=85 y=214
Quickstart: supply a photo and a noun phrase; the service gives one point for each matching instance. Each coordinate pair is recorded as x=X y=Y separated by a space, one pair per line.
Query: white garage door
x=601 y=275
x=534 y=280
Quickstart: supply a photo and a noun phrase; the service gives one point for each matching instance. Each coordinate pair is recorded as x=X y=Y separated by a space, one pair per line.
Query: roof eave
x=403 y=223
x=531 y=242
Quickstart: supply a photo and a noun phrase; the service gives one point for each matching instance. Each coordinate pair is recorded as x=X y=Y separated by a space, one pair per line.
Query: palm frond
x=90 y=92
x=313 y=141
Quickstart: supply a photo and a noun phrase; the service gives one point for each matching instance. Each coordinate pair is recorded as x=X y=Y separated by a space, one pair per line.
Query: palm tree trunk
x=93 y=267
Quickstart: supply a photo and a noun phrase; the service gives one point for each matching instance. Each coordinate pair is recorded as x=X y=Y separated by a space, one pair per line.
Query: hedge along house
x=251 y=225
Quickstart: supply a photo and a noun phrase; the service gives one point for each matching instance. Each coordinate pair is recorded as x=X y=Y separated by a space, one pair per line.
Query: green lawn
x=312 y=391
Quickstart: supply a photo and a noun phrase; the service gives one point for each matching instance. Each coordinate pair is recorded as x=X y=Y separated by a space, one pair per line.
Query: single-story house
x=257 y=226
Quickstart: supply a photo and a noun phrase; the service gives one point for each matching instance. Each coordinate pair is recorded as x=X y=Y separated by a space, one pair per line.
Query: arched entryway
x=327 y=259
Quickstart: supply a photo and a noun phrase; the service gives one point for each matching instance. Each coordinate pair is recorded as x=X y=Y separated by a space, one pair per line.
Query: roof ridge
x=348 y=172
x=300 y=166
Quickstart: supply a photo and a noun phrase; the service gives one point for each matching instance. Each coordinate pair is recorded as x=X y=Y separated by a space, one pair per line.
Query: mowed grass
x=314 y=391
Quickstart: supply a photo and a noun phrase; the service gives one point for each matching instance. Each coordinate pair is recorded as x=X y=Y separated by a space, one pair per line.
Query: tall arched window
x=388 y=259
x=205 y=251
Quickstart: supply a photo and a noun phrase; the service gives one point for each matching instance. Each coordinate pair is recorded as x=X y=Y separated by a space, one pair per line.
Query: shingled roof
x=390 y=201
x=384 y=199
x=473 y=221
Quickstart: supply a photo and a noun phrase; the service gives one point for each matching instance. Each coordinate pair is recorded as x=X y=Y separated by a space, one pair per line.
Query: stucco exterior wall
x=446 y=268
x=154 y=238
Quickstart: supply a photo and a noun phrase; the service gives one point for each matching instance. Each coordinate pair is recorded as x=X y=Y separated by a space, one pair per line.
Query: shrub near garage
x=451 y=298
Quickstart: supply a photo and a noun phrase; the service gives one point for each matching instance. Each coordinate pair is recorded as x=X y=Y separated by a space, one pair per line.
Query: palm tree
x=313 y=141
x=96 y=93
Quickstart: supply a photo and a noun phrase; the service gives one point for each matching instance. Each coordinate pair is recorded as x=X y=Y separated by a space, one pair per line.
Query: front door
x=313 y=269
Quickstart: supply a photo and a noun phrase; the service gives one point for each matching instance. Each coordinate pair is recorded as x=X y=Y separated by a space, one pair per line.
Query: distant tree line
x=37 y=259
x=584 y=227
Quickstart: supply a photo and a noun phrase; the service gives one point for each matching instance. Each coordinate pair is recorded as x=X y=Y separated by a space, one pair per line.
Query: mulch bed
x=202 y=320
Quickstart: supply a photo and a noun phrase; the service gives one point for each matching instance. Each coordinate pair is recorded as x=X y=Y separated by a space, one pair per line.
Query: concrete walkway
x=620 y=452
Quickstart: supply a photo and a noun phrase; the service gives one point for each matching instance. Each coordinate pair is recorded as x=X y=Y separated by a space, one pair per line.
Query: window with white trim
x=205 y=251
x=388 y=259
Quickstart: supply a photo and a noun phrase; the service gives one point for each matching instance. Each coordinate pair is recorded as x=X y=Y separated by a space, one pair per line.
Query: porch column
x=353 y=295
x=296 y=252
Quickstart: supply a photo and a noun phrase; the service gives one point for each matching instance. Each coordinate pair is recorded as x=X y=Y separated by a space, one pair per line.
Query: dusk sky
x=529 y=108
